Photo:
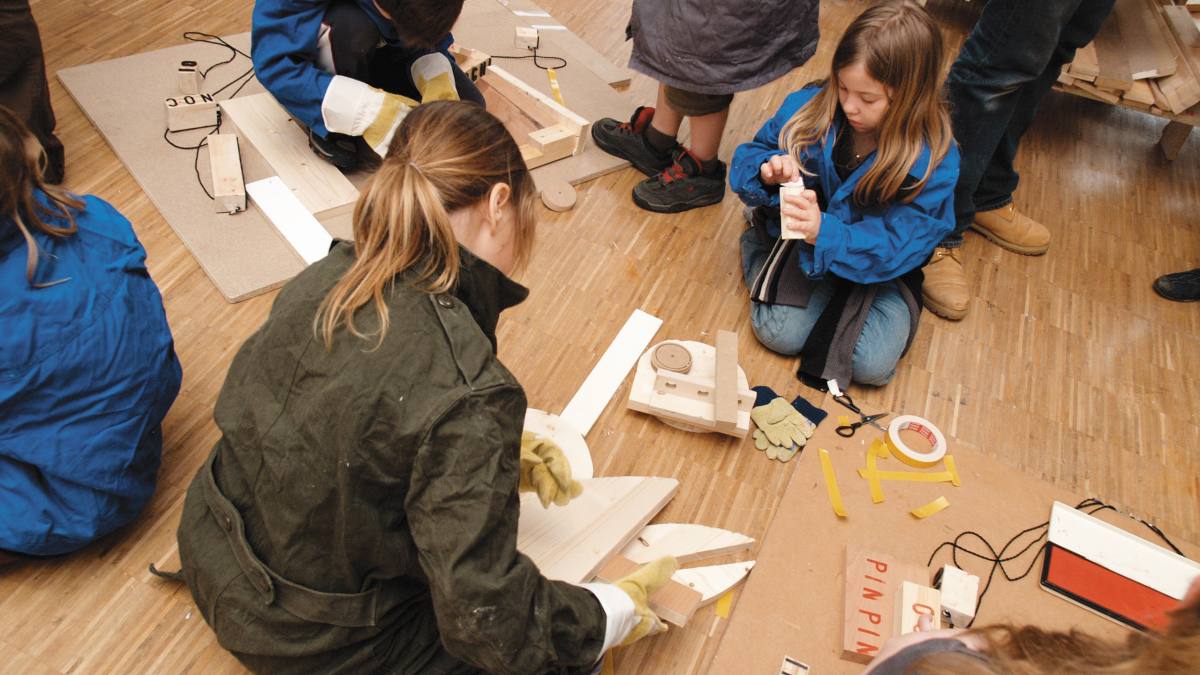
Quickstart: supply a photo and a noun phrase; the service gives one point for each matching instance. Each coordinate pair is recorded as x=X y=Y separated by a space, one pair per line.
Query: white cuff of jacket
x=351 y=106
x=619 y=611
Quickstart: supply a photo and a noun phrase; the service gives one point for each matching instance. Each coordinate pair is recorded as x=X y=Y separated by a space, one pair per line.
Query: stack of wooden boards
x=1146 y=56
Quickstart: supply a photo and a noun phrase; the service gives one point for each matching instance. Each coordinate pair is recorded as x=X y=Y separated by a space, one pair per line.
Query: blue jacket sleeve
x=882 y=247
x=283 y=46
x=748 y=157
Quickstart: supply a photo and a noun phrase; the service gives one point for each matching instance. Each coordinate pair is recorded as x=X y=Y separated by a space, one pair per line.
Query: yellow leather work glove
x=546 y=471
x=782 y=430
x=391 y=113
x=434 y=78
x=639 y=586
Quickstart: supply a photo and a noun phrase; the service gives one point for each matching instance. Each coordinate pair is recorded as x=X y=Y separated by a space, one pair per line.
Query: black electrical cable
x=999 y=558
x=535 y=56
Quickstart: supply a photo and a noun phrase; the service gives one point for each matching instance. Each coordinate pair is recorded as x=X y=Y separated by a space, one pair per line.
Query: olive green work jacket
x=359 y=513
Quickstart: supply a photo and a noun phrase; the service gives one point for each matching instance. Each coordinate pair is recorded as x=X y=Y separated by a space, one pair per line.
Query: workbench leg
x=1173 y=137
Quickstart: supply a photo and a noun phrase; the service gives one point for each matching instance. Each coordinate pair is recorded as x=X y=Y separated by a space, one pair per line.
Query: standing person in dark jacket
x=87 y=361
x=359 y=513
x=351 y=69
x=701 y=53
x=873 y=145
x=23 y=86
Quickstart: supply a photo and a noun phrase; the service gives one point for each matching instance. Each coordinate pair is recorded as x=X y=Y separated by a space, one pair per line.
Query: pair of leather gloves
x=782 y=431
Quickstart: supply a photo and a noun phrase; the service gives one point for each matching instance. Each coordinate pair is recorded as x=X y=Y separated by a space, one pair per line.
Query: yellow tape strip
x=835 y=495
x=554 y=89
x=950 y=467
x=930 y=508
x=872 y=477
x=725 y=604
x=880 y=449
x=843 y=421
x=911 y=476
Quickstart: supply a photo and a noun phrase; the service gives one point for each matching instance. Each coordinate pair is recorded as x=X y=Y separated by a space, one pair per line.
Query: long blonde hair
x=445 y=156
x=22 y=161
x=899 y=45
x=1028 y=650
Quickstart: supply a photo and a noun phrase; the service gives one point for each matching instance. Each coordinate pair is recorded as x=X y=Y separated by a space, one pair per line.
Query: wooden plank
x=686 y=542
x=1140 y=93
x=1085 y=65
x=291 y=219
x=726 y=406
x=570 y=543
x=1181 y=90
x=674 y=603
x=1097 y=92
x=1145 y=44
x=1111 y=64
x=713 y=581
x=608 y=373
x=538 y=105
x=225 y=165
x=283 y=145
x=872 y=582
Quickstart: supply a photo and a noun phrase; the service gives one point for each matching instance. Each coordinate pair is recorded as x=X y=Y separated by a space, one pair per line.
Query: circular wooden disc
x=558 y=195
x=673 y=357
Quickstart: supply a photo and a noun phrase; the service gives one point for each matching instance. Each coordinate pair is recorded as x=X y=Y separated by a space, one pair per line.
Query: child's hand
x=779 y=169
x=801 y=215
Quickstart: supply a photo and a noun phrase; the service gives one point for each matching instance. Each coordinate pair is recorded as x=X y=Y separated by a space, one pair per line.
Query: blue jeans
x=784 y=329
x=1008 y=63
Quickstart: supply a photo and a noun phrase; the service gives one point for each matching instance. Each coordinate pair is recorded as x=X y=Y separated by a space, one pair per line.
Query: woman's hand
x=801 y=216
x=779 y=169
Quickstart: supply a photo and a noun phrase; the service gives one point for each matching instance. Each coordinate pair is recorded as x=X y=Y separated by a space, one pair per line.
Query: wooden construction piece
x=596 y=391
x=570 y=543
x=713 y=581
x=913 y=602
x=566 y=436
x=280 y=144
x=873 y=583
x=472 y=62
x=726 y=408
x=545 y=130
x=1174 y=135
x=688 y=543
x=960 y=596
x=1146 y=47
x=671 y=356
x=225 y=164
x=1111 y=65
x=190 y=112
x=525 y=37
x=283 y=210
x=558 y=195
x=189 y=78
x=1181 y=89
x=1139 y=93
x=1085 y=66
x=674 y=603
x=688 y=400
x=1098 y=93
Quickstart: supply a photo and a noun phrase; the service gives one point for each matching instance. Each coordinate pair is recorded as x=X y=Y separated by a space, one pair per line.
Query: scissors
x=847 y=430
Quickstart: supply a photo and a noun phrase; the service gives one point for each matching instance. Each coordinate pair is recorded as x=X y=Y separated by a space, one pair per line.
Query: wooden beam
x=726 y=410
x=225 y=165
x=686 y=542
x=608 y=373
x=1111 y=64
x=674 y=603
x=290 y=218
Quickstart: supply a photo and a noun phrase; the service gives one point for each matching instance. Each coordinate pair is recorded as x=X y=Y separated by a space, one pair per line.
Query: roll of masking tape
x=923 y=428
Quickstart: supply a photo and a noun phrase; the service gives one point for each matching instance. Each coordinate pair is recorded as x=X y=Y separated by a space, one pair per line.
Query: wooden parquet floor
x=1068 y=366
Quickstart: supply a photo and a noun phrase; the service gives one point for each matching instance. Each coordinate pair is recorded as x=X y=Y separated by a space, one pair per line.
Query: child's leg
x=706 y=134
x=884 y=335
x=780 y=328
x=666 y=121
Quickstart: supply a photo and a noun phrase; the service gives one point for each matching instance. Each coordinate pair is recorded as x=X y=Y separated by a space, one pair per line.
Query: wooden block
x=1111 y=65
x=283 y=146
x=1064 y=76
x=872 y=585
x=713 y=581
x=1085 y=65
x=1181 y=89
x=525 y=38
x=686 y=542
x=299 y=228
x=1097 y=92
x=1140 y=93
x=559 y=140
x=225 y=163
x=189 y=78
x=1145 y=43
x=570 y=543
x=726 y=412
x=472 y=62
x=190 y=112
x=674 y=603
x=914 y=601
x=1174 y=135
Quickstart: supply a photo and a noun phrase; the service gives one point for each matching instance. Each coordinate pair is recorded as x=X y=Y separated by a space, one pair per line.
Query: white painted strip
x=598 y=389
x=289 y=216
x=526 y=12
x=548 y=26
x=1122 y=552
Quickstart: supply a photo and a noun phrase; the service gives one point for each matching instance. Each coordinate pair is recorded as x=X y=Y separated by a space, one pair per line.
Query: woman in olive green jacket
x=359 y=513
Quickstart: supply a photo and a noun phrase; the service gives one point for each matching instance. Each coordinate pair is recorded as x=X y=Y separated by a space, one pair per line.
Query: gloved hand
x=782 y=430
x=639 y=586
x=355 y=108
x=546 y=471
x=434 y=78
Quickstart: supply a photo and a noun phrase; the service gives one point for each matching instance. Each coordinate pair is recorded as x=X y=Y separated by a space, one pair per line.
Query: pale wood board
x=566 y=43
x=606 y=376
x=225 y=162
x=713 y=581
x=686 y=542
x=674 y=603
x=870 y=582
x=1145 y=43
x=566 y=436
x=571 y=542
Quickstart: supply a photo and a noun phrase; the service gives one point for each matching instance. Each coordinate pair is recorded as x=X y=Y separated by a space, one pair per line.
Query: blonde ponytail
x=445 y=156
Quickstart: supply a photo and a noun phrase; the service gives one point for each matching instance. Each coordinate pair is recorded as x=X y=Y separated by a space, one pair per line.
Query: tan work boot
x=945 y=289
x=1013 y=230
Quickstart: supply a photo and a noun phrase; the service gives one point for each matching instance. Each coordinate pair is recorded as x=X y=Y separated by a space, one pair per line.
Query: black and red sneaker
x=627 y=140
x=687 y=184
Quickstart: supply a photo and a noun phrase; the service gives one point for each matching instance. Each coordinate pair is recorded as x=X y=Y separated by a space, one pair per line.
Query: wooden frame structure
x=545 y=130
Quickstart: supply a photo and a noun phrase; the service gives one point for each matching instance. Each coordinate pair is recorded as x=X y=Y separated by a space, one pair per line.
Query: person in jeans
x=23 y=86
x=701 y=53
x=1007 y=64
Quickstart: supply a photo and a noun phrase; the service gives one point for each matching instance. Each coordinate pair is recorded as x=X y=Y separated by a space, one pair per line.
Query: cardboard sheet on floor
x=792 y=604
x=242 y=254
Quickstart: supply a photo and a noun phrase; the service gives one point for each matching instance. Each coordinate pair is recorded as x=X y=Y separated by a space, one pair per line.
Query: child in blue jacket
x=874 y=148
x=87 y=362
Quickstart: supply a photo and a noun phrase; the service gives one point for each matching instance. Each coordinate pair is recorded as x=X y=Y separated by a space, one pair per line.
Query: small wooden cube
x=526 y=38
x=191 y=111
x=189 y=78
x=912 y=602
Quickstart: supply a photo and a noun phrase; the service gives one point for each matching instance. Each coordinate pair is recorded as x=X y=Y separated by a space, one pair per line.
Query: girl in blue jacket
x=874 y=149
x=87 y=362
